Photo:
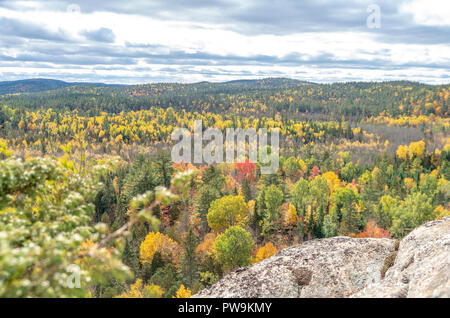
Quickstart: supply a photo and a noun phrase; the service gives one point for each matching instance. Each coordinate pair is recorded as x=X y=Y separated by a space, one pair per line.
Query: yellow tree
x=139 y=290
x=416 y=149
x=157 y=242
x=409 y=184
x=207 y=246
x=332 y=180
x=290 y=217
x=402 y=152
x=264 y=252
x=227 y=211
x=183 y=292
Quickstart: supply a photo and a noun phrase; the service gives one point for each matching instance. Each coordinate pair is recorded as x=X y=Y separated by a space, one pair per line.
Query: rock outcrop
x=347 y=267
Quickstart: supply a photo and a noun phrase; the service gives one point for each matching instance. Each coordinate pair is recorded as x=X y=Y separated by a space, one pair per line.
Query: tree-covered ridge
x=37 y=85
x=264 y=97
x=30 y=86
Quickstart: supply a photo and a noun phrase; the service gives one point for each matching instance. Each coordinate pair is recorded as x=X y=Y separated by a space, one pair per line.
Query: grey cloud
x=272 y=17
x=12 y=27
x=413 y=34
x=11 y=42
x=251 y=16
x=114 y=56
x=268 y=16
x=68 y=60
x=101 y=35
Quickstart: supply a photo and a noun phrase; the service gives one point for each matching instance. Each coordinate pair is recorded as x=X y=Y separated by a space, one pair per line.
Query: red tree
x=315 y=172
x=372 y=230
x=246 y=170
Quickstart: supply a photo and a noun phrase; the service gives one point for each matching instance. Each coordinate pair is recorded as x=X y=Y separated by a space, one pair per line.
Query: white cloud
x=428 y=12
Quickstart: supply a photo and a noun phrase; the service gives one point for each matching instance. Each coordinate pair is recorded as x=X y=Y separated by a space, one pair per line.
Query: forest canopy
x=91 y=204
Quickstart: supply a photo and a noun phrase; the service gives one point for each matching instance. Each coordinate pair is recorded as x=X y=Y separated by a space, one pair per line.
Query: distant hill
x=260 y=97
x=230 y=87
x=38 y=85
x=41 y=85
x=269 y=83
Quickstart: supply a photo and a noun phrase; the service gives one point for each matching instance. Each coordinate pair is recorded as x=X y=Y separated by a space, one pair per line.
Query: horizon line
x=87 y=82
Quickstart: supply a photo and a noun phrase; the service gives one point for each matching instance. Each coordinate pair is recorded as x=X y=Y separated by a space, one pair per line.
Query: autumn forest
x=88 y=185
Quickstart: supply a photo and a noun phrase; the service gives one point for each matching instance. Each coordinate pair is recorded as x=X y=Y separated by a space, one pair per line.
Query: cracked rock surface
x=349 y=267
x=422 y=265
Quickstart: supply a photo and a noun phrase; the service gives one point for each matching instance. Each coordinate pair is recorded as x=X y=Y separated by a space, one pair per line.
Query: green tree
x=46 y=214
x=346 y=211
x=299 y=196
x=189 y=265
x=205 y=196
x=213 y=177
x=414 y=211
x=291 y=167
x=383 y=211
x=330 y=226
x=105 y=198
x=349 y=172
x=273 y=199
x=246 y=190
x=234 y=248
x=167 y=278
x=164 y=170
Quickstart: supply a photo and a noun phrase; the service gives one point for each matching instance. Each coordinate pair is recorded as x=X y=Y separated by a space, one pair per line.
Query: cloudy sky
x=141 y=41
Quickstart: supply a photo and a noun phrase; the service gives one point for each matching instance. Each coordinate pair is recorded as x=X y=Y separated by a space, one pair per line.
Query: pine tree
x=213 y=177
x=163 y=162
x=246 y=190
x=189 y=265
